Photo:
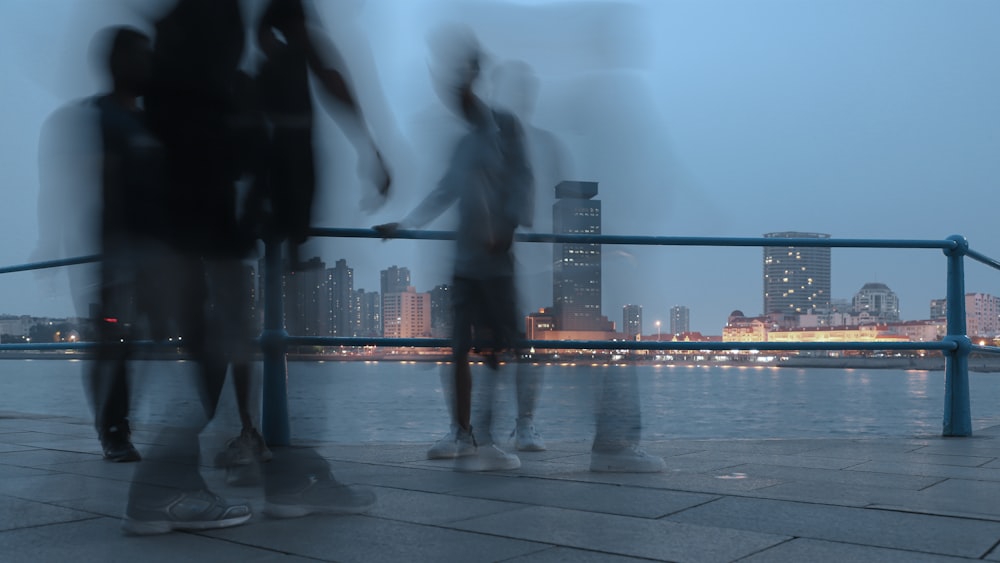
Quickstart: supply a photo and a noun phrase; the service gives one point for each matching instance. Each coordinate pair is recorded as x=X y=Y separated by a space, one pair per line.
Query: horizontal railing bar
x=51 y=264
x=654 y=240
x=979 y=257
x=987 y=349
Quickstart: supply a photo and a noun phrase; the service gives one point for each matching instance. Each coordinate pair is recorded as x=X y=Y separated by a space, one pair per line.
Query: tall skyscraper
x=303 y=295
x=576 y=273
x=680 y=319
x=796 y=279
x=441 y=311
x=367 y=313
x=394 y=279
x=339 y=301
x=632 y=321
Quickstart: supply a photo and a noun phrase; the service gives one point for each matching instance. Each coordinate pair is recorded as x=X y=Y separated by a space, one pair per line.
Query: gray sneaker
x=449 y=447
x=193 y=510
x=526 y=438
x=320 y=496
x=631 y=459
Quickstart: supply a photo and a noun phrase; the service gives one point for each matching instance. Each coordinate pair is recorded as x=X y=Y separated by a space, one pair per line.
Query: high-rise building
x=339 y=302
x=407 y=314
x=796 y=279
x=394 y=279
x=680 y=319
x=367 y=313
x=939 y=309
x=982 y=314
x=632 y=321
x=576 y=273
x=303 y=295
x=876 y=303
x=441 y=315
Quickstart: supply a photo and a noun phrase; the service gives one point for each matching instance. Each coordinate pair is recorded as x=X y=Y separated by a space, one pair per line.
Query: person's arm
x=440 y=199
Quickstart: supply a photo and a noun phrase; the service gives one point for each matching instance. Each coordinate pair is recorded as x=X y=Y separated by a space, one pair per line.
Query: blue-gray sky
x=857 y=118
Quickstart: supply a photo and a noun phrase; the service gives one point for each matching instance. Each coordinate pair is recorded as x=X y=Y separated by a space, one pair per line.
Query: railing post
x=957 y=414
x=274 y=412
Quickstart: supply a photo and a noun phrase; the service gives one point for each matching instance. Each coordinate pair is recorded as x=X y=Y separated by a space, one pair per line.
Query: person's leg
x=619 y=426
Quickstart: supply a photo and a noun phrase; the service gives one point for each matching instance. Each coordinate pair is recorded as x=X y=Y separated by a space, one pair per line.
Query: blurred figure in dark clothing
x=101 y=192
x=214 y=133
x=295 y=49
x=490 y=180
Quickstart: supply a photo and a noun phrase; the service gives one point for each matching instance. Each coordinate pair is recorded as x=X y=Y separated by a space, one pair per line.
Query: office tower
x=680 y=319
x=367 y=313
x=875 y=302
x=939 y=309
x=796 y=279
x=441 y=316
x=632 y=321
x=302 y=292
x=407 y=314
x=576 y=273
x=393 y=280
x=338 y=302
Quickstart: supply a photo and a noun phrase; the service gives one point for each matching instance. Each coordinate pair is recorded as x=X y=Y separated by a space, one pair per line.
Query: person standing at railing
x=101 y=181
x=490 y=181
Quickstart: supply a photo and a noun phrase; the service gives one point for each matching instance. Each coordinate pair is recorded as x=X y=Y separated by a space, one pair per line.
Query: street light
x=657 y=331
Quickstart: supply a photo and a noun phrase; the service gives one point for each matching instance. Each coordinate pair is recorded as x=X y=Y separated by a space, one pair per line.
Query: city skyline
x=767 y=119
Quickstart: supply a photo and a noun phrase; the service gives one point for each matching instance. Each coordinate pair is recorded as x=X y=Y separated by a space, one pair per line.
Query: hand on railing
x=386 y=230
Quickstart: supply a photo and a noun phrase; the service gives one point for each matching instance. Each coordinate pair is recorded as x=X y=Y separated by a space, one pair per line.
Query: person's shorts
x=485 y=314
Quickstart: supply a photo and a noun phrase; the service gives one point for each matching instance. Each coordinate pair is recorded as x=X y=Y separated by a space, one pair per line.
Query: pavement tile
x=800 y=550
x=955 y=497
x=100 y=540
x=40 y=457
x=880 y=528
x=836 y=494
x=19 y=513
x=785 y=460
x=897 y=468
x=915 y=482
x=624 y=535
x=428 y=508
x=569 y=555
x=363 y=539
x=609 y=499
x=717 y=483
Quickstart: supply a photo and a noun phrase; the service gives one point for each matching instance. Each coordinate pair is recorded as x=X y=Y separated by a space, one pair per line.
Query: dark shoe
x=320 y=496
x=245 y=449
x=194 y=510
x=117 y=444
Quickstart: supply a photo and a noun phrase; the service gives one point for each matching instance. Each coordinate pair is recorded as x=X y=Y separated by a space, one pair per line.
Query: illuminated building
x=576 y=273
x=796 y=279
x=406 y=314
x=875 y=303
x=632 y=321
x=680 y=319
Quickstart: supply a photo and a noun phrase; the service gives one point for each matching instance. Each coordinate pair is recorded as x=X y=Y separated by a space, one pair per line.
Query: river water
x=392 y=402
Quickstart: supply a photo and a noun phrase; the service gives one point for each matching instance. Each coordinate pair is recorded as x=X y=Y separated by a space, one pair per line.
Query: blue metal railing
x=274 y=340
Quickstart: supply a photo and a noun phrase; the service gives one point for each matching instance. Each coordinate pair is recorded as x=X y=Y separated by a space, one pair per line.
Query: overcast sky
x=856 y=118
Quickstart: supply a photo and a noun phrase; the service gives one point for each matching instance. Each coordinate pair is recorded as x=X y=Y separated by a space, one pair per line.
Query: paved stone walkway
x=878 y=500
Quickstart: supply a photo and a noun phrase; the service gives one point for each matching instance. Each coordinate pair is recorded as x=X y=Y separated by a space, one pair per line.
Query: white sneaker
x=449 y=447
x=526 y=438
x=488 y=458
x=631 y=459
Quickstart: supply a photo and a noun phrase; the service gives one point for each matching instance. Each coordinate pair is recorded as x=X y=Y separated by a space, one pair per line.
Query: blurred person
x=212 y=138
x=490 y=180
x=100 y=182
